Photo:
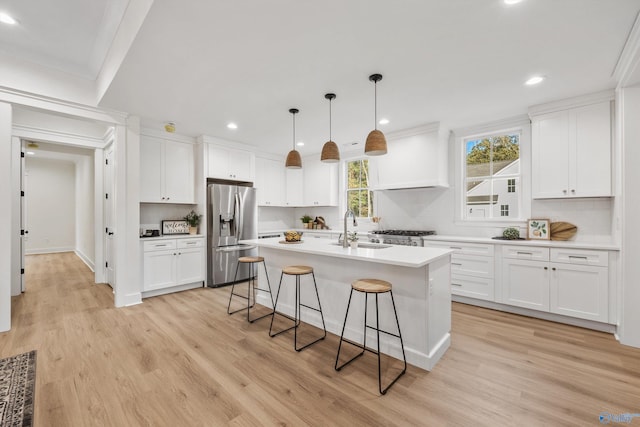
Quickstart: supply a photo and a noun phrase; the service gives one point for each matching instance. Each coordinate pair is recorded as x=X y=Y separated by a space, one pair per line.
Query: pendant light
x=376 y=144
x=330 y=151
x=294 y=161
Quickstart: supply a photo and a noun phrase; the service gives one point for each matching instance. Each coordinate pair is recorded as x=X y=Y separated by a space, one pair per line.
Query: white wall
x=6 y=229
x=152 y=214
x=50 y=204
x=85 y=210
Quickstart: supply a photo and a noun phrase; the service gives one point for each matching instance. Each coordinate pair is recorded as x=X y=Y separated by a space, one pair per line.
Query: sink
x=367 y=245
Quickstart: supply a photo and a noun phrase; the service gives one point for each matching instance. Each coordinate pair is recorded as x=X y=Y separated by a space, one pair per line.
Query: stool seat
x=374 y=286
x=250 y=259
x=297 y=270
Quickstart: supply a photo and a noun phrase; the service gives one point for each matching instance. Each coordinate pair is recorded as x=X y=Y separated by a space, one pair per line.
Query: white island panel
x=421 y=287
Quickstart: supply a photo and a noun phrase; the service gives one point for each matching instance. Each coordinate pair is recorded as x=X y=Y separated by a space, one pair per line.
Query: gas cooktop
x=405 y=232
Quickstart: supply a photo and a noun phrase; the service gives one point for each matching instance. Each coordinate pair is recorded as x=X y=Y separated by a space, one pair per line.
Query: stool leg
x=298 y=304
x=254 y=270
x=273 y=315
x=268 y=283
x=344 y=325
x=232 y=288
x=404 y=357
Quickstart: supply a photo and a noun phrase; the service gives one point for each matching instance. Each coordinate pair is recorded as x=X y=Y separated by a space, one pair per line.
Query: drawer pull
x=160 y=246
x=191 y=243
x=578 y=257
x=456 y=284
x=524 y=253
x=456 y=263
x=455 y=247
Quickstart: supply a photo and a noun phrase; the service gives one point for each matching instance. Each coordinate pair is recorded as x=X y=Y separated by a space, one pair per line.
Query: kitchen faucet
x=345 y=243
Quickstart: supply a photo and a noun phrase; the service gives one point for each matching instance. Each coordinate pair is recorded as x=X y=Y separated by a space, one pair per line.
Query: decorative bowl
x=292 y=236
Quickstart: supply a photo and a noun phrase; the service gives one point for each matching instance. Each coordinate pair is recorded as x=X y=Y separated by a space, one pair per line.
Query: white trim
x=418 y=130
x=85 y=259
x=172 y=289
x=629 y=59
x=14 y=96
x=47 y=135
x=166 y=135
x=578 y=101
x=483 y=129
x=205 y=139
x=40 y=251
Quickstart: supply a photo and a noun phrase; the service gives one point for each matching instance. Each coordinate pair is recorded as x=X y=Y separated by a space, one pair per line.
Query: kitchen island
x=421 y=281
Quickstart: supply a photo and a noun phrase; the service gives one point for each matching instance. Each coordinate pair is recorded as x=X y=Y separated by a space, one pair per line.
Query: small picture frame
x=538 y=229
x=177 y=226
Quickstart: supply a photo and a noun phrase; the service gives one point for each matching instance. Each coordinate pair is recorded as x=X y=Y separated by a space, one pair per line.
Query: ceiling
x=203 y=63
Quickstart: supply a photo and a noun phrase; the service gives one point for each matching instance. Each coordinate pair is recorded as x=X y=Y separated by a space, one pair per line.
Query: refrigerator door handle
x=240 y=216
x=235 y=248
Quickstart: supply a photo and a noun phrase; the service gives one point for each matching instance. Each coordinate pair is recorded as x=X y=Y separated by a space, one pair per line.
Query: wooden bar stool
x=251 y=286
x=297 y=271
x=376 y=287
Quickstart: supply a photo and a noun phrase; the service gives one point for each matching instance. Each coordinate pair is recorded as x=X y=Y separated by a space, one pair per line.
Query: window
x=359 y=197
x=492 y=176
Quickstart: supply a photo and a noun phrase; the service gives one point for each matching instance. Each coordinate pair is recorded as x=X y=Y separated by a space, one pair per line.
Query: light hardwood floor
x=180 y=360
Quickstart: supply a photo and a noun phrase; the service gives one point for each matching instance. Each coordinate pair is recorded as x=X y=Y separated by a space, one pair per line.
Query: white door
x=24 y=232
x=109 y=250
x=526 y=283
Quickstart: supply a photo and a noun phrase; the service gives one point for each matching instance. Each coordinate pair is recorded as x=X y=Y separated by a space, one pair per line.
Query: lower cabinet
x=571 y=282
x=173 y=262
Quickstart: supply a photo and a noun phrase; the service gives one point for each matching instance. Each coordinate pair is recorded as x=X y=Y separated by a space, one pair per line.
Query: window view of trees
x=492 y=175
x=359 y=198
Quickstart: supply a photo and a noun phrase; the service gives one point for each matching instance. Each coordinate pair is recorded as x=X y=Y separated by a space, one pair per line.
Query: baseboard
x=41 y=251
x=86 y=260
x=171 y=290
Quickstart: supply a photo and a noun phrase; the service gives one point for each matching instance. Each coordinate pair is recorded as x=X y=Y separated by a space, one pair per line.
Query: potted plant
x=194 y=221
x=352 y=237
x=306 y=220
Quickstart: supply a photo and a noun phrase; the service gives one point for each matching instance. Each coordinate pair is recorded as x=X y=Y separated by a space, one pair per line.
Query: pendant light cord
x=375 y=105
x=294 y=131
x=329 y=119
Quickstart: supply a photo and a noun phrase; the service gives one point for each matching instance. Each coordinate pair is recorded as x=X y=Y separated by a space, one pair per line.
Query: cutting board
x=562 y=230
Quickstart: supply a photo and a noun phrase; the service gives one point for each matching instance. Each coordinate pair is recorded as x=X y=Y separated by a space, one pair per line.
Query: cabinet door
x=179 y=179
x=580 y=291
x=550 y=155
x=159 y=270
x=218 y=162
x=151 y=169
x=295 y=187
x=270 y=182
x=592 y=146
x=241 y=165
x=525 y=284
x=190 y=267
x=320 y=183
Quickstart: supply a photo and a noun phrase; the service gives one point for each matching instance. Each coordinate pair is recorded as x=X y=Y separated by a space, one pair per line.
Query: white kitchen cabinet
x=229 y=163
x=580 y=291
x=526 y=283
x=270 y=182
x=172 y=262
x=571 y=152
x=472 y=269
x=294 y=187
x=166 y=171
x=413 y=159
x=320 y=182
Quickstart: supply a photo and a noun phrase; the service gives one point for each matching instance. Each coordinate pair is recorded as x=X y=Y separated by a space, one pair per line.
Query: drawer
x=473 y=287
x=472 y=265
x=580 y=256
x=526 y=252
x=463 y=248
x=159 y=245
x=190 y=243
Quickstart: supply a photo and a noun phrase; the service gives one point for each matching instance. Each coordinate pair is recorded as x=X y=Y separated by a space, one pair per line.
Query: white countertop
x=172 y=236
x=543 y=243
x=406 y=256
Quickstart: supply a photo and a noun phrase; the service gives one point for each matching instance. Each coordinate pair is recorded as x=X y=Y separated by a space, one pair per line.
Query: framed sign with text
x=177 y=226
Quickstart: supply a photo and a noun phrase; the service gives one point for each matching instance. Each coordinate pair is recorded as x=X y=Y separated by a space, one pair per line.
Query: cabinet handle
x=455 y=247
x=160 y=246
x=564 y=191
x=456 y=284
x=546 y=268
x=174 y=254
x=191 y=243
x=573 y=191
x=456 y=263
x=577 y=257
x=553 y=268
x=524 y=253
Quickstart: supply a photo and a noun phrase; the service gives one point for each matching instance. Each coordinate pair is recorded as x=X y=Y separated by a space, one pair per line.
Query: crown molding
x=47 y=135
x=578 y=101
x=629 y=59
x=14 y=96
x=418 y=130
x=206 y=139
x=493 y=126
x=166 y=135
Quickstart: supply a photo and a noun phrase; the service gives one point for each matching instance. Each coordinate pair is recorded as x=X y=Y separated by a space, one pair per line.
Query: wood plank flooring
x=180 y=360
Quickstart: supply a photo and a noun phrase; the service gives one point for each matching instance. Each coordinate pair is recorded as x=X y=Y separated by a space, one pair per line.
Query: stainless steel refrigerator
x=232 y=216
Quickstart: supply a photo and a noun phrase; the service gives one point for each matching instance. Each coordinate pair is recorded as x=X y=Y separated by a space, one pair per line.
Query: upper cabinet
x=571 y=150
x=320 y=182
x=415 y=158
x=166 y=171
x=294 y=187
x=270 y=182
x=230 y=163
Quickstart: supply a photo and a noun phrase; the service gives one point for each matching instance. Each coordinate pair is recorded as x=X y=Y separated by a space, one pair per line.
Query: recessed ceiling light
x=534 y=80
x=232 y=125
x=300 y=143
x=7 y=19
x=30 y=153
x=512 y=1
x=384 y=121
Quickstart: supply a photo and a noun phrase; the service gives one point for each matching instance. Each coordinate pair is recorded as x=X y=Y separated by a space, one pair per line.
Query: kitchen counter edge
x=543 y=243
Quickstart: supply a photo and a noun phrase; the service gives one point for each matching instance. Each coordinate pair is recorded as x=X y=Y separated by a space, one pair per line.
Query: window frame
x=520 y=124
x=346 y=188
